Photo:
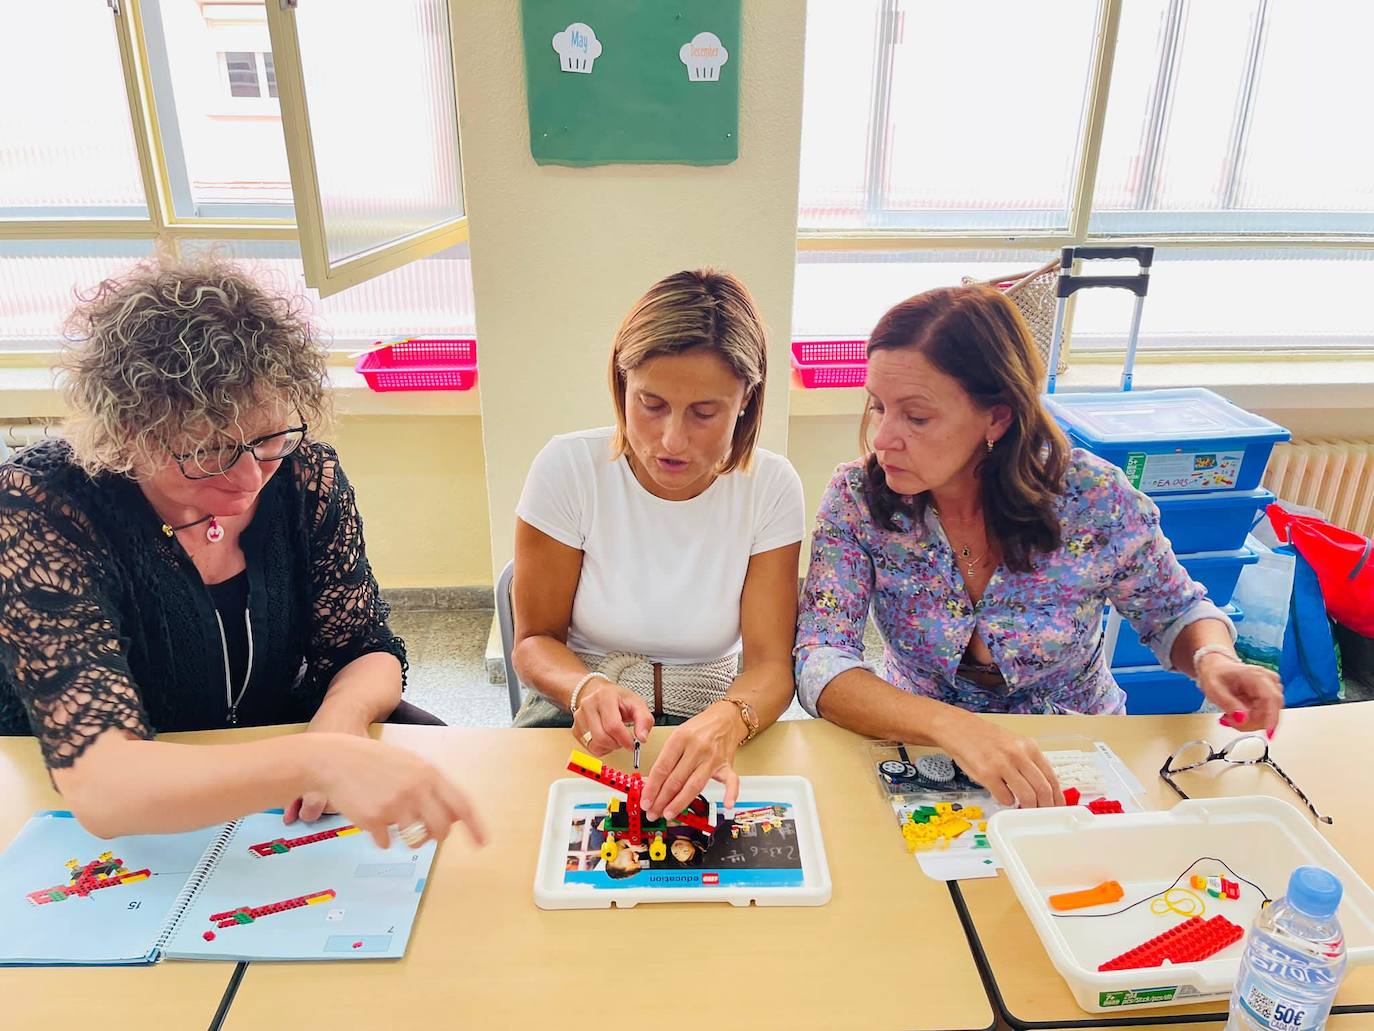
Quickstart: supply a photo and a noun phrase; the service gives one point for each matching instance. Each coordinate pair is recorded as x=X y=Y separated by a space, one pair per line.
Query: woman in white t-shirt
x=656 y=560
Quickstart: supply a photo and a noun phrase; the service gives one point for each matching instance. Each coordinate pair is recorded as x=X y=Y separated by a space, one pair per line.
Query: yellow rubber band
x=1183 y=901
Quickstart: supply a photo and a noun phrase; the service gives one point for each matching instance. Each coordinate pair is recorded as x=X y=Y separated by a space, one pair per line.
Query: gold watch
x=746 y=713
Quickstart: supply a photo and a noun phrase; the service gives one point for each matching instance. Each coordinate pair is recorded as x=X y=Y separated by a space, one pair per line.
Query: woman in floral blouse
x=986 y=549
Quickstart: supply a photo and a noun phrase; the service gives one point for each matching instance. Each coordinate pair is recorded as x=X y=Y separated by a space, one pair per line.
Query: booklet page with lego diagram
x=254 y=889
x=70 y=898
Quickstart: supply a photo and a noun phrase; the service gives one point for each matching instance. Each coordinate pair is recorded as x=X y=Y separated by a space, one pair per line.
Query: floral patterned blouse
x=1043 y=627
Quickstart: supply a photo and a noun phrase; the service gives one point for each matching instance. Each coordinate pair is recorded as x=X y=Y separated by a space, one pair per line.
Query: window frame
x=325 y=276
x=1042 y=241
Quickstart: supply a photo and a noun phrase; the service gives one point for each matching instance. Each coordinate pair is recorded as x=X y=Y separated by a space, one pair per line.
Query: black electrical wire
x=1158 y=894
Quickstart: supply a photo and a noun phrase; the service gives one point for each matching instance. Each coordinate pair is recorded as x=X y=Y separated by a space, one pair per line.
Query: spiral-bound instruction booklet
x=253 y=889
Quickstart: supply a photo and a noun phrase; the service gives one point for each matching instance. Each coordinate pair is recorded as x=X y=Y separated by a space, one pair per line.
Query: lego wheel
x=895 y=769
x=610 y=848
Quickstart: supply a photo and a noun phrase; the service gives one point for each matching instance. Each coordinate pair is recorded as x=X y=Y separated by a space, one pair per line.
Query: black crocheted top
x=105 y=622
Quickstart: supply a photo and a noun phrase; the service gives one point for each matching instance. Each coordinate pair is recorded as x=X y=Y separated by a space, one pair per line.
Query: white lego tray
x=1048 y=851
x=769 y=854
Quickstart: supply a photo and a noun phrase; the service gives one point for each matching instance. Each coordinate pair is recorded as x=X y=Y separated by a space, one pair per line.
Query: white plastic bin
x=1047 y=851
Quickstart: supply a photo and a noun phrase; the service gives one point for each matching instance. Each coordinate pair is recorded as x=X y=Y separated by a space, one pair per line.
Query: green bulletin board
x=632 y=81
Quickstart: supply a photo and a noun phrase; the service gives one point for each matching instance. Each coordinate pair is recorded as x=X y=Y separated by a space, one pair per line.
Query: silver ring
x=586 y=737
x=415 y=834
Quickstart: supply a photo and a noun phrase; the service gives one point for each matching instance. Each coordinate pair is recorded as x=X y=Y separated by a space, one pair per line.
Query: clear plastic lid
x=1191 y=413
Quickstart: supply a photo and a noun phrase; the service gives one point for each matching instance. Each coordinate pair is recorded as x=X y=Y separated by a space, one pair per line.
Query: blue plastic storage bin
x=1181 y=441
x=1211 y=522
x=1130 y=652
x=1151 y=691
x=1218 y=571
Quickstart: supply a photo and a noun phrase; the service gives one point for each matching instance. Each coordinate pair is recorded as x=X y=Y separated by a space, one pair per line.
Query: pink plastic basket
x=830 y=363
x=422 y=363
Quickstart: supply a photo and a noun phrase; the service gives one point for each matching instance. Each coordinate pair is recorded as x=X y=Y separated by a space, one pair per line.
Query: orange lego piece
x=1105 y=893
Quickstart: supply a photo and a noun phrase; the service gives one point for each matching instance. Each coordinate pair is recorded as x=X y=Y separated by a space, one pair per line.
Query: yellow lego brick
x=972 y=812
x=918 y=836
x=585 y=761
x=130 y=878
x=955 y=827
x=613 y=806
x=321 y=897
x=982 y=826
x=343 y=832
x=943 y=808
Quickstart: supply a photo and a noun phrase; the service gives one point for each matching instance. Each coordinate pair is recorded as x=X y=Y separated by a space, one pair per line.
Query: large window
x=130 y=129
x=945 y=138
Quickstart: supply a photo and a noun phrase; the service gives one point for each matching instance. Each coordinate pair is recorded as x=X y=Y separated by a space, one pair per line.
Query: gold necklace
x=970 y=564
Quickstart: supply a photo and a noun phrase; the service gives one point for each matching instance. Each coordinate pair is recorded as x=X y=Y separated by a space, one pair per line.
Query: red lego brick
x=1189 y=942
x=1071 y=796
x=1104 y=806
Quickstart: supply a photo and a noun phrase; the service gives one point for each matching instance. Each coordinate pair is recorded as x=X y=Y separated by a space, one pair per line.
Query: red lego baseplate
x=1193 y=940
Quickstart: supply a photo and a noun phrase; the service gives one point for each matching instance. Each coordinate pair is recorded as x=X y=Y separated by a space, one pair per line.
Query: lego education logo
x=1136 y=997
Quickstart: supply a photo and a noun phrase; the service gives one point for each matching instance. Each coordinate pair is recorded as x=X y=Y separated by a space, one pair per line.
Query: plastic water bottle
x=1294 y=958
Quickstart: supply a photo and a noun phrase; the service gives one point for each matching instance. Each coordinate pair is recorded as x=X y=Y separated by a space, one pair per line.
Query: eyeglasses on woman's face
x=204 y=463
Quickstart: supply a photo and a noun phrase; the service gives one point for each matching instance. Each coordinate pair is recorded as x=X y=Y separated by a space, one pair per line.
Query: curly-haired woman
x=987 y=549
x=188 y=558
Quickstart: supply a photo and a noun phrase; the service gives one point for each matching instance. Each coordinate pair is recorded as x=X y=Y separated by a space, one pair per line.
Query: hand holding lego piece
x=1010 y=766
x=604 y=709
x=700 y=750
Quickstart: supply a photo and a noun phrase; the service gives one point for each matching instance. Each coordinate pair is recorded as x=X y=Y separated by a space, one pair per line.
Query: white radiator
x=1336 y=477
x=23 y=432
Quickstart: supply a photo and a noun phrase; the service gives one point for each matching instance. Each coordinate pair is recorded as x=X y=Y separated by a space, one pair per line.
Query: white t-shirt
x=659 y=578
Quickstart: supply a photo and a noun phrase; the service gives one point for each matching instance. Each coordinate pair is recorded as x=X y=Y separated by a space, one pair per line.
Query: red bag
x=1344 y=563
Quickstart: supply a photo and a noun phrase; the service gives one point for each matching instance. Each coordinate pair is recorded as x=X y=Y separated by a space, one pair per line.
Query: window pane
x=242 y=66
x=39 y=280
x=271 y=73
x=1249 y=299
x=843 y=293
x=66 y=142
x=841 y=40
x=432 y=296
x=1236 y=116
x=221 y=134
x=987 y=101
x=386 y=145
x=1310 y=148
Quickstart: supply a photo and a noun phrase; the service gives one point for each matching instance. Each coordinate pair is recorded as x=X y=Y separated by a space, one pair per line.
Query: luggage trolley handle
x=1069 y=284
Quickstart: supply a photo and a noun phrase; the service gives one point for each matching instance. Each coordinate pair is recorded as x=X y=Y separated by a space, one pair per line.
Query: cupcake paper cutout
x=577 y=48
x=703 y=57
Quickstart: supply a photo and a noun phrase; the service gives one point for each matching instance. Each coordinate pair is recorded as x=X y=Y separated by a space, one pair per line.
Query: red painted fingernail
x=1270 y=733
x=1225 y=721
x=1238 y=715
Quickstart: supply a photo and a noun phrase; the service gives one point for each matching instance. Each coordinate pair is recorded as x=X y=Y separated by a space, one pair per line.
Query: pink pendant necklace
x=214 y=533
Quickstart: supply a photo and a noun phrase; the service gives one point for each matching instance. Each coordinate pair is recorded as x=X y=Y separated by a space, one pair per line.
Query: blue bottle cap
x=1314 y=891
